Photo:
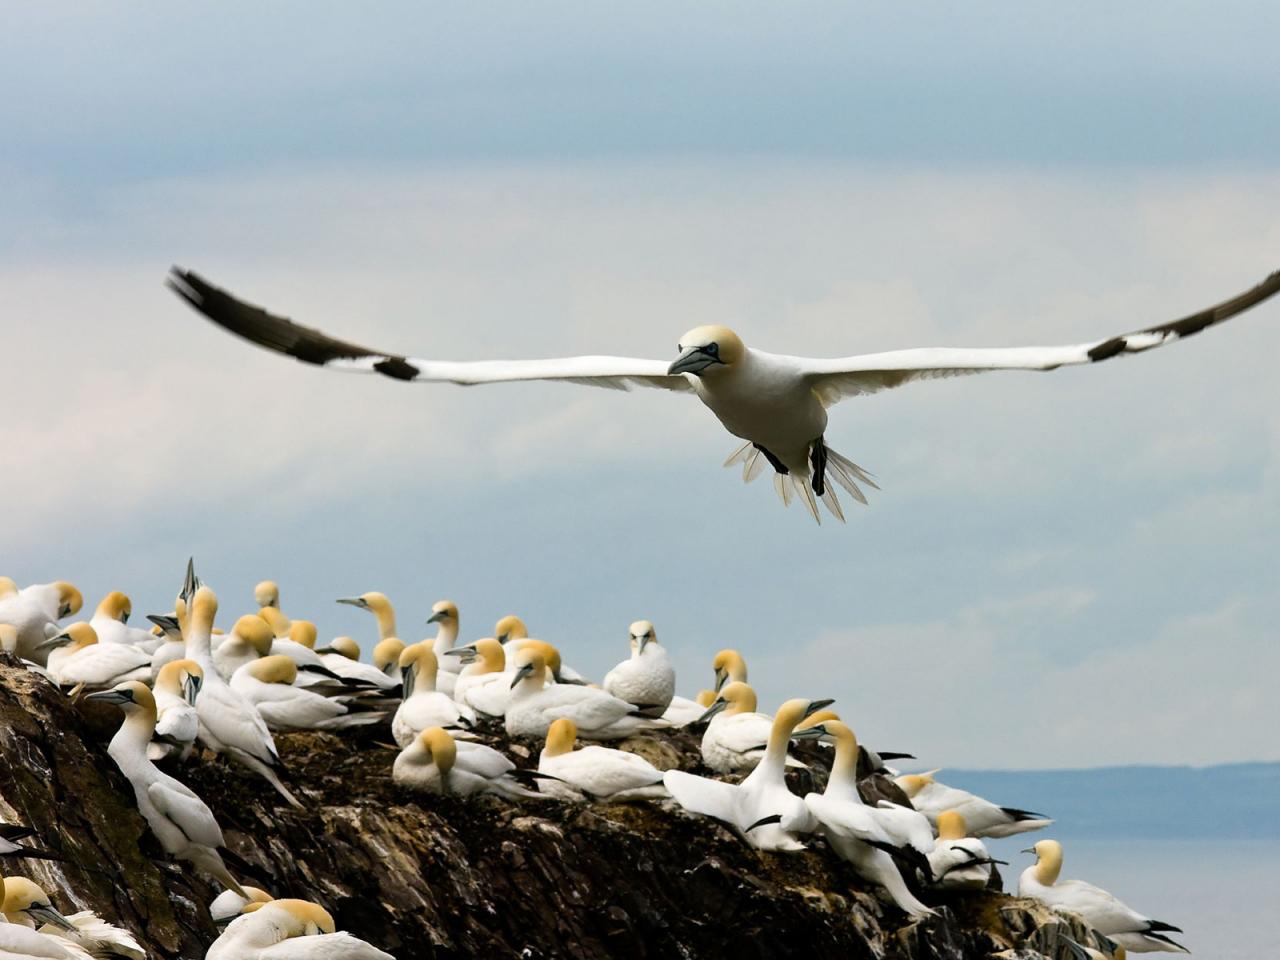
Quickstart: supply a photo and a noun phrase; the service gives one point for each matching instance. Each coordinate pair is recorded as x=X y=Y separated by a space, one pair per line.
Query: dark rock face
x=429 y=877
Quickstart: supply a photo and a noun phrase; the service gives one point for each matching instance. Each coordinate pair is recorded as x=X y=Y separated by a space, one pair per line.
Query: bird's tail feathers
x=790 y=486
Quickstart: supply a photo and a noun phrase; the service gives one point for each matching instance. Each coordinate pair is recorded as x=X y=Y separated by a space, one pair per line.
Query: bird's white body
x=960 y=863
x=430 y=708
x=476 y=769
x=533 y=707
x=19 y=942
x=486 y=693
x=735 y=742
x=270 y=934
x=286 y=707
x=99 y=664
x=682 y=711
x=1102 y=911
x=97 y=937
x=646 y=679
x=167 y=652
x=983 y=817
x=177 y=724
x=604 y=773
x=111 y=630
x=34 y=613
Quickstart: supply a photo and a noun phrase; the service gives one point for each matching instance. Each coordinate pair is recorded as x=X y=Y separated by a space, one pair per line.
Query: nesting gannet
x=776 y=403
x=181 y=821
x=761 y=808
x=436 y=763
x=290 y=930
x=25 y=901
x=111 y=622
x=345 y=647
x=377 y=604
x=483 y=685
x=22 y=903
x=959 y=860
x=229 y=722
x=77 y=658
x=250 y=638
x=33 y=609
x=227 y=905
x=736 y=734
x=647 y=678
x=177 y=723
x=729 y=667
x=267 y=683
x=267 y=594
x=906 y=828
x=983 y=817
x=533 y=705
x=386 y=657
x=444 y=613
x=1107 y=915
x=173 y=646
x=682 y=711
x=423 y=705
x=599 y=772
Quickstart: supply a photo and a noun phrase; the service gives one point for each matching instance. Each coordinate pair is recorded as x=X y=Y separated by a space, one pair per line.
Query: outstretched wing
x=835 y=379
x=312 y=346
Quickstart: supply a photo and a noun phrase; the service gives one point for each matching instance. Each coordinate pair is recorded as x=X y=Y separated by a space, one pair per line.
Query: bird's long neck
x=843 y=782
x=129 y=745
x=775 y=754
x=386 y=622
x=446 y=636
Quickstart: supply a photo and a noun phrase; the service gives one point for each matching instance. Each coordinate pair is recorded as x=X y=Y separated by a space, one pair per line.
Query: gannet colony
x=195 y=699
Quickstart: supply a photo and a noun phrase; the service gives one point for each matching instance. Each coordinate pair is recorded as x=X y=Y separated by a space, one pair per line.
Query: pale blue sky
x=1062 y=569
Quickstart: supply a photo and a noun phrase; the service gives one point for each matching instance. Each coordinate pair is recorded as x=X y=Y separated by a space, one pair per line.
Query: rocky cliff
x=432 y=877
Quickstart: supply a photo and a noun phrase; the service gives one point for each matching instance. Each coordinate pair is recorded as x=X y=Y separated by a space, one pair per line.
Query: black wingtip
x=1023 y=814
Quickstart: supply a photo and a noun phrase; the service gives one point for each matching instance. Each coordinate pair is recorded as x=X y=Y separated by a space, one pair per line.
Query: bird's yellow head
x=440 y=747
x=642 y=634
x=115 y=606
x=560 y=737
x=8 y=586
x=530 y=663
x=279 y=623
x=69 y=599
x=951 y=825
x=346 y=646
x=510 y=627
x=266 y=594
x=274 y=669
x=303 y=632
x=131 y=696
x=255 y=631
x=311 y=918
x=729 y=666
x=707 y=350
x=387 y=653
x=444 y=611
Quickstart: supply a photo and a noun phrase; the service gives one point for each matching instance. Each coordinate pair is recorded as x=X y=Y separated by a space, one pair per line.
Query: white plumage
x=534 y=705
x=600 y=772
x=646 y=679
x=76 y=657
x=436 y=763
x=289 y=930
x=423 y=706
x=983 y=817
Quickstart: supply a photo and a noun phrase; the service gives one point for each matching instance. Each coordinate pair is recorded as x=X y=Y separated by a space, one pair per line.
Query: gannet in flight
x=776 y=403
x=1107 y=915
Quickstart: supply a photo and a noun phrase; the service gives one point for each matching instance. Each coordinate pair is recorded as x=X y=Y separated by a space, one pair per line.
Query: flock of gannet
x=187 y=685
x=777 y=404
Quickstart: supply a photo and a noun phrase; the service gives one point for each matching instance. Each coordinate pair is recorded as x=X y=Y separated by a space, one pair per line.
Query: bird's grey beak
x=816 y=732
x=406 y=681
x=721 y=677
x=437 y=617
x=504 y=638
x=112 y=696
x=46 y=914
x=191 y=688
x=523 y=672
x=1028 y=850
x=712 y=711
x=816 y=705
x=643 y=641
x=163 y=621
x=353 y=602
x=124 y=618
x=694 y=360
x=468 y=654
x=58 y=641
x=190 y=583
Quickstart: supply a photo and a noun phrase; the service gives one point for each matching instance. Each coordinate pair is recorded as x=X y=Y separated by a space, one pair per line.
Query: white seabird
x=177 y=723
x=33 y=609
x=647 y=679
x=111 y=622
x=290 y=930
x=729 y=667
x=229 y=722
x=776 y=403
x=983 y=817
x=484 y=684
x=601 y=773
x=181 y=821
x=444 y=613
x=423 y=705
x=77 y=658
x=22 y=904
x=267 y=683
x=377 y=604
x=761 y=809
x=534 y=705
x=25 y=901
x=1107 y=915
x=959 y=860
x=436 y=763
x=228 y=905
x=250 y=638
x=267 y=594
x=736 y=734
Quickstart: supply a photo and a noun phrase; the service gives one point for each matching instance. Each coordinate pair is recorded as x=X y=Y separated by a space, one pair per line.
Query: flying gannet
x=601 y=773
x=181 y=821
x=959 y=860
x=983 y=817
x=1107 y=915
x=423 y=705
x=776 y=403
x=761 y=809
x=647 y=679
x=290 y=930
x=436 y=763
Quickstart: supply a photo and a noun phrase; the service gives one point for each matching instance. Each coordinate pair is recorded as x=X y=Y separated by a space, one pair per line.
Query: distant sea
x=1196 y=847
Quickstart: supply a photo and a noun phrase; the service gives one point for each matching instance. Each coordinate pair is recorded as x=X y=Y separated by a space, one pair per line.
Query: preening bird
x=776 y=403
x=290 y=930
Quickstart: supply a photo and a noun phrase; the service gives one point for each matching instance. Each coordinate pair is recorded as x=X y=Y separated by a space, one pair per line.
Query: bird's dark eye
x=713 y=349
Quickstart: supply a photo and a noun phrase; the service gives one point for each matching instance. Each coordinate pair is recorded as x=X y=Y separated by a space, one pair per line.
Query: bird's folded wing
x=711 y=798
x=312 y=346
x=842 y=377
x=187 y=811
